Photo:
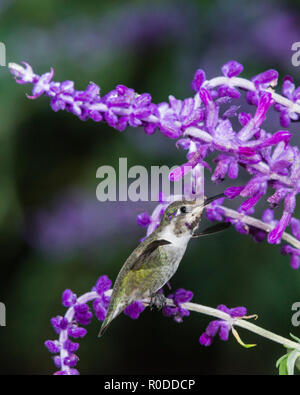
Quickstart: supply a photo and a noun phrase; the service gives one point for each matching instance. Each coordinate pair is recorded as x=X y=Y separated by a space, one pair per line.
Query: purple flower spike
x=78 y=313
x=134 y=309
x=232 y=69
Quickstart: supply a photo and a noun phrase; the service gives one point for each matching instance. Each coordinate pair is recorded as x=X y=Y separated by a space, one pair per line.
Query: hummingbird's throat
x=194 y=218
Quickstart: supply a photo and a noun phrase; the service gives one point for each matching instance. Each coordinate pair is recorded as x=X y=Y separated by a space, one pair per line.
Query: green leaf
x=283 y=371
x=295 y=338
x=282 y=365
x=278 y=362
x=291 y=360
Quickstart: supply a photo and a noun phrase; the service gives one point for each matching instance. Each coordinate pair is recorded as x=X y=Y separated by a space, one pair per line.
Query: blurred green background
x=54 y=234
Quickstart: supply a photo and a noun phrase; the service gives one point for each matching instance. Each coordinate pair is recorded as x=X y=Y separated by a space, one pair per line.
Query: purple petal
x=70 y=346
x=275 y=235
x=182 y=296
x=232 y=68
x=233 y=192
x=134 y=309
x=68 y=298
x=295 y=227
x=199 y=79
x=238 y=311
x=76 y=331
x=53 y=346
x=212 y=328
x=103 y=284
x=268 y=77
x=224 y=331
x=205 y=340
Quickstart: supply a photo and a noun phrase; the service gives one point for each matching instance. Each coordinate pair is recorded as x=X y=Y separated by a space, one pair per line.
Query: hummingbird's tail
x=111 y=314
x=103 y=328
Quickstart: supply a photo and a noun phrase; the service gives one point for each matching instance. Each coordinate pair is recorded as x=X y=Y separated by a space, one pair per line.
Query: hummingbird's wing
x=137 y=263
x=212 y=229
x=137 y=268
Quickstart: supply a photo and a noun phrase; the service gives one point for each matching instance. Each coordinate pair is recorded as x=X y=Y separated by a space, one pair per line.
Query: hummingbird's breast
x=174 y=255
x=170 y=255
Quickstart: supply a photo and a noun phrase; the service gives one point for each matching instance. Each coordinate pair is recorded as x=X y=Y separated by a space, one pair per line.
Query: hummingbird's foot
x=159 y=300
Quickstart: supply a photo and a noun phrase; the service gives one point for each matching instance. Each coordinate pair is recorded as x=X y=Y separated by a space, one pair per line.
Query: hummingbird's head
x=185 y=215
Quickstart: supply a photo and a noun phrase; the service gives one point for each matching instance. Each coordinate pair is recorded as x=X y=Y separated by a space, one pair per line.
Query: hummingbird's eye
x=183 y=209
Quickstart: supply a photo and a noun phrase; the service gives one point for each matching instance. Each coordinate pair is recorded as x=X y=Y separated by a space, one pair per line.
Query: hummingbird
x=156 y=259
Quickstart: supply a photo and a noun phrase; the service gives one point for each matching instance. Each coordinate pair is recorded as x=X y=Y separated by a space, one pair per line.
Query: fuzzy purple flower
x=232 y=69
x=221 y=326
x=294 y=254
x=179 y=297
x=290 y=91
x=68 y=298
x=134 y=309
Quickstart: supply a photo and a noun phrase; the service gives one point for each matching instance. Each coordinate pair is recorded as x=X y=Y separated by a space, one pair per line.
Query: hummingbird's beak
x=211 y=199
x=206 y=202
